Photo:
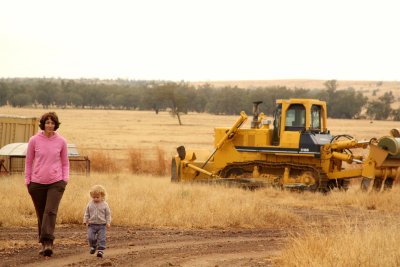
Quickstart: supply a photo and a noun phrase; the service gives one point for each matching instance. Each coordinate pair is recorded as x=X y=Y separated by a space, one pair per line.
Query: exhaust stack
x=255 y=123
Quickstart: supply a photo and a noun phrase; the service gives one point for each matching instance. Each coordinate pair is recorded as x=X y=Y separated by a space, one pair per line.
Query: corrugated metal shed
x=19 y=149
x=15 y=129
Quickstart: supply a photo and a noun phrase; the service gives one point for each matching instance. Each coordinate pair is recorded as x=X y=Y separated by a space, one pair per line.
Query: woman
x=46 y=175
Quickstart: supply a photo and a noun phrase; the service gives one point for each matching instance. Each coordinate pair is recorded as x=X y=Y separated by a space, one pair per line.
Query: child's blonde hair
x=98 y=190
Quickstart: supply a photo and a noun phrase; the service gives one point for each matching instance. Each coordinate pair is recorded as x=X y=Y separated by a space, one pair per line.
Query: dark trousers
x=46 y=199
x=97 y=236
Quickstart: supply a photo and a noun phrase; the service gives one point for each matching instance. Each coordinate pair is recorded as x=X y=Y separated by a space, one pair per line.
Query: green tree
x=387 y=98
x=4 y=93
x=178 y=98
x=347 y=104
x=381 y=109
x=20 y=100
x=331 y=94
x=74 y=99
x=228 y=101
x=153 y=98
x=203 y=94
x=45 y=92
x=396 y=114
x=376 y=110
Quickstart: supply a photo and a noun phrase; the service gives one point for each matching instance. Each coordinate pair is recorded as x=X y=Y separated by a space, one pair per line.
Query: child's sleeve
x=86 y=215
x=108 y=214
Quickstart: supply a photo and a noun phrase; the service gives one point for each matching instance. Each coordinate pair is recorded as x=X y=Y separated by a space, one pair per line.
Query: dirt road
x=133 y=246
x=147 y=247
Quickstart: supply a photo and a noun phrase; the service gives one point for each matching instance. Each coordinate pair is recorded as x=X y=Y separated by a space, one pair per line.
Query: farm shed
x=15 y=129
x=13 y=161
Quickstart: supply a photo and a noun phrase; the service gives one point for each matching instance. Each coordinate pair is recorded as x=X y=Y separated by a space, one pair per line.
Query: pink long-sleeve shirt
x=46 y=159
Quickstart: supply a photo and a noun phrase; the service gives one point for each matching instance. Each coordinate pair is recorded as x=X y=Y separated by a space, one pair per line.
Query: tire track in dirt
x=259 y=258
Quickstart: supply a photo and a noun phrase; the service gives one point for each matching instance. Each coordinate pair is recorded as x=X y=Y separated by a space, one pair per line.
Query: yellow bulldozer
x=295 y=150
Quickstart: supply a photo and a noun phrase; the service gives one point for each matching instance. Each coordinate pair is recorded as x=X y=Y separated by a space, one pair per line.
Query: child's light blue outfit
x=97 y=215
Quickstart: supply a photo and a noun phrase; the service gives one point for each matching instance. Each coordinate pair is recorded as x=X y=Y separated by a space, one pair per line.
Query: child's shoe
x=100 y=254
x=92 y=250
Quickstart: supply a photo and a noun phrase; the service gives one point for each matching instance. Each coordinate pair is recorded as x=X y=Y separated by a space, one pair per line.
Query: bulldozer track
x=235 y=171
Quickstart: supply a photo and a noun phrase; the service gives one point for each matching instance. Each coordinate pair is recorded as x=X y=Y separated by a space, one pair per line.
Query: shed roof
x=19 y=149
x=16 y=116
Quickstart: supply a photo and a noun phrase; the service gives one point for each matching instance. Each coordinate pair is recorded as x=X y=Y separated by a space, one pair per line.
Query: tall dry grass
x=149 y=161
x=101 y=161
x=149 y=201
x=154 y=161
x=353 y=229
x=338 y=201
x=346 y=246
x=152 y=201
x=17 y=208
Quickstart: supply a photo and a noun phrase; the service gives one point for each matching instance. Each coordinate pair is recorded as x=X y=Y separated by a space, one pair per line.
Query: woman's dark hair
x=49 y=115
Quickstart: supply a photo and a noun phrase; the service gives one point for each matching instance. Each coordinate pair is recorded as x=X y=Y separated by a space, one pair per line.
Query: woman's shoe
x=48 y=249
x=41 y=251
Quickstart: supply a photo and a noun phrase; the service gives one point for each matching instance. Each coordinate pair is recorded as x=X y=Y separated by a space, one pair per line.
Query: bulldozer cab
x=294 y=119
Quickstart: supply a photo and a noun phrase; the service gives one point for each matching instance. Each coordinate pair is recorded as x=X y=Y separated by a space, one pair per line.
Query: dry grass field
x=118 y=131
x=157 y=223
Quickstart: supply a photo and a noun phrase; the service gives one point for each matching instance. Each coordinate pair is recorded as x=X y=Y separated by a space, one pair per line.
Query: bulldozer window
x=295 y=118
x=316 y=117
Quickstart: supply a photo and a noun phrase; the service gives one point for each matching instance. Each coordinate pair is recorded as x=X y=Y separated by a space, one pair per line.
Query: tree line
x=182 y=97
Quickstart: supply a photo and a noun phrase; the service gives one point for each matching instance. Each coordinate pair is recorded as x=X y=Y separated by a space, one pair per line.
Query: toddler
x=97 y=217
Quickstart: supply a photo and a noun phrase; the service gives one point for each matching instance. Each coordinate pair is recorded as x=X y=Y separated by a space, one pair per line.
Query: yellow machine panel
x=246 y=137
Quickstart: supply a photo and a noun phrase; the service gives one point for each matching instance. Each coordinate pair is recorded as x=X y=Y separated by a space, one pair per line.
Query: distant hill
x=309 y=84
x=367 y=87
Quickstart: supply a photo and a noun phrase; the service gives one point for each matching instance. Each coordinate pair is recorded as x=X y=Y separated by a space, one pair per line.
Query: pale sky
x=201 y=40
